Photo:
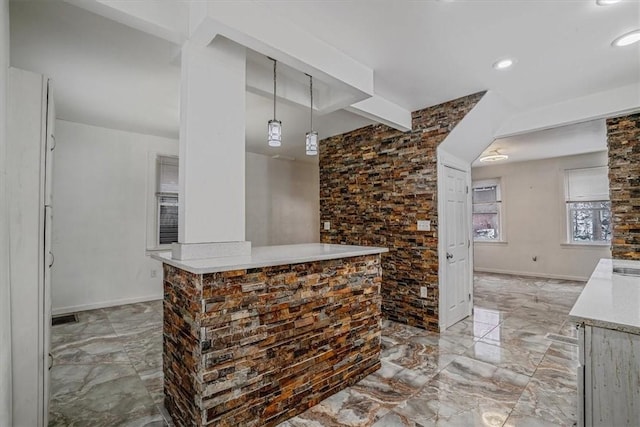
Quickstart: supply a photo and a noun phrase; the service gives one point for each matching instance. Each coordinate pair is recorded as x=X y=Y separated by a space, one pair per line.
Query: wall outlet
x=423 y=291
x=154 y=273
x=424 y=225
x=327 y=225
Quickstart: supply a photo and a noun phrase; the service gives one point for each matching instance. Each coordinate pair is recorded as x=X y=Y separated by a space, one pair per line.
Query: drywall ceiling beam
x=249 y=23
x=254 y=25
x=293 y=86
x=380 y=110
x=611 y=103
x=164 y=19
x=476 y=131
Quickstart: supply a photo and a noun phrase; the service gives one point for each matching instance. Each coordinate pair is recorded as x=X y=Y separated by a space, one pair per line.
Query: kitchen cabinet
x=608 y=317
x=30 y=145
x=608 y=377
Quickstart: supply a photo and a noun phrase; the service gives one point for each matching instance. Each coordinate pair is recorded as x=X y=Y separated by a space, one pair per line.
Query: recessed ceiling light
x=606 y=2
x=503 y=64
x=627 y=39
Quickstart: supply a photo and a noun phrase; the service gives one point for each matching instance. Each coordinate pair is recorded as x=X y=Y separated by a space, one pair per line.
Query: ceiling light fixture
x=606 y=2
x=503 y=64
x=626 y=39
x=493 y=156
x=275 y=126
x=312 y=135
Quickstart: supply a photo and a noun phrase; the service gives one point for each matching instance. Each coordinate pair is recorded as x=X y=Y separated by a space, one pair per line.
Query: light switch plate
x=424 y=225
x=327 y=225
x=423 y=291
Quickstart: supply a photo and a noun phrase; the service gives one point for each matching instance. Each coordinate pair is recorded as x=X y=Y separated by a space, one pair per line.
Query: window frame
x=570 y=198
x=152 y=208
x=491 y=182
x=160 y=194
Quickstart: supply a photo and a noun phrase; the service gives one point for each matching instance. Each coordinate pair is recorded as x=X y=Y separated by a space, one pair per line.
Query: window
x=167 y=200
x=588 y=206
x=487 y=208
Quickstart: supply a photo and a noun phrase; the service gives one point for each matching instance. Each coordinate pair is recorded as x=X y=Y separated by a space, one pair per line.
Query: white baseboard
x=529 y=274
x=104 y=304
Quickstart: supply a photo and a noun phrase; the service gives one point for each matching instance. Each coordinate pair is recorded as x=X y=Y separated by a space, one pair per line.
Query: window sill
x=155 y=249
x=590 y=245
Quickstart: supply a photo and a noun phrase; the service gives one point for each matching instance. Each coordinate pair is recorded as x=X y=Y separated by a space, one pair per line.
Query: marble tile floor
x=107 y=368
x=496 y=368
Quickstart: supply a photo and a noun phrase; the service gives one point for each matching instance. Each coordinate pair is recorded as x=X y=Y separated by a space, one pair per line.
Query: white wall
x=534 y=221
x=101 y=188
x=5 y=309
x=283 y=201
x=104 y=205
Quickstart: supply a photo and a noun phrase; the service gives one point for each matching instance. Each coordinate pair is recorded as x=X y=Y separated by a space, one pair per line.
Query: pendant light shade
x=312 y=136
x=275 y=133
x=312 y=143
x=275 y=126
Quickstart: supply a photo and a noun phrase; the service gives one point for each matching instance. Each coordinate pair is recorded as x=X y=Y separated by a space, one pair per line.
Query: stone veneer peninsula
x=255 y=340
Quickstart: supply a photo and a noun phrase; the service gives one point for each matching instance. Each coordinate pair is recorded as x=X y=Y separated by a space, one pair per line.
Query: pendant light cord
x=274 y=89
x=311 y=97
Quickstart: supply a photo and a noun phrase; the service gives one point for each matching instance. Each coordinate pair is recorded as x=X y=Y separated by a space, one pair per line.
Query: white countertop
x=610 y=300
x=267 y=256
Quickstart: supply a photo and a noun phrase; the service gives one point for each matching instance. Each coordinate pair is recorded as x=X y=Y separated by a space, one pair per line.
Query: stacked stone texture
x=256 y=347
x=375 y=183
x=623 y=137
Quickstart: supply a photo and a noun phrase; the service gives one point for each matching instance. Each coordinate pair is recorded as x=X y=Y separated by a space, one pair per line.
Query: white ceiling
x=422 y=53
x=427 y=52
x=587 y=137
x=103 y=73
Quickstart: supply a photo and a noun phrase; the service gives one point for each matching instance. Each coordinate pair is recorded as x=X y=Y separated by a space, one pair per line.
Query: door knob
x=449 y=256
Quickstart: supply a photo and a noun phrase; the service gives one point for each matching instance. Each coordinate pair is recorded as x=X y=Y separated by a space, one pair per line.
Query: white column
x=212 y=151
x=5 y=291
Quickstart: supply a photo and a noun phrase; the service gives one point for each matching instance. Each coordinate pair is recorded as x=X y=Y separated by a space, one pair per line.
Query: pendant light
x=275 y=126
x=312 y=135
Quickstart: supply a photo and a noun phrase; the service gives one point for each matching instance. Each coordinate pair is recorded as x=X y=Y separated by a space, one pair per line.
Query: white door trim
x=448 y=160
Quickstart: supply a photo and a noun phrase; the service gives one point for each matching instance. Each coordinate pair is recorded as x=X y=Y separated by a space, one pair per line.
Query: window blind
x=168 y=175
x=587 y=184
x=486 y=191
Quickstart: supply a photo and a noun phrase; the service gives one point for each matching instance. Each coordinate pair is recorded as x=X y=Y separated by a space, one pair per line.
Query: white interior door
x=457 y=279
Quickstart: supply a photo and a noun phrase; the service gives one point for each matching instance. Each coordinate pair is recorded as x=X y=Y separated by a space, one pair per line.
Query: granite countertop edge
x=270 y=256
x=609 y=300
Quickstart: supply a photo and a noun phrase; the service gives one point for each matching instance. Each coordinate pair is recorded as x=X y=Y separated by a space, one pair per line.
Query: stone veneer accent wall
x=623 y=138
x=255 y=347
x=375 y=183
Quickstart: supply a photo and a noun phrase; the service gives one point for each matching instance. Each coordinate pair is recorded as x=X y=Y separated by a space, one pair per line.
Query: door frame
x=448 y=160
